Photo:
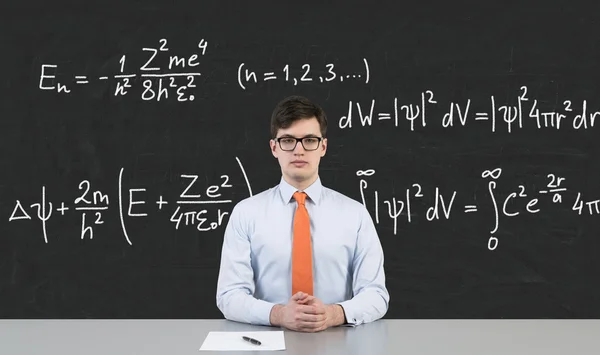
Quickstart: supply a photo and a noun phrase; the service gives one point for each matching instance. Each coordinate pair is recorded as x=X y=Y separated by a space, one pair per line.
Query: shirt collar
x=313 y=191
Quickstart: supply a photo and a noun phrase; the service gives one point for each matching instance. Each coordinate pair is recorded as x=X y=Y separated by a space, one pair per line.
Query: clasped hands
x=306 y=313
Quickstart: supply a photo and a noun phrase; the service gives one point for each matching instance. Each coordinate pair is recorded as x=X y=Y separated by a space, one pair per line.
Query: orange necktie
x=302 y=279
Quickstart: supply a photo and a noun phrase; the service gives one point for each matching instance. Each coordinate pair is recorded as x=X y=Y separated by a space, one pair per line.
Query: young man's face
x=300 y=165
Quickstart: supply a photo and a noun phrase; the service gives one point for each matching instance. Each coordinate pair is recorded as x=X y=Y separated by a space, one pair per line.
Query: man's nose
x=299 y=148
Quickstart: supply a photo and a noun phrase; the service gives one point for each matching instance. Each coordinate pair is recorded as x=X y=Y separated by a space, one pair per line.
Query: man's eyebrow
x=306 y=136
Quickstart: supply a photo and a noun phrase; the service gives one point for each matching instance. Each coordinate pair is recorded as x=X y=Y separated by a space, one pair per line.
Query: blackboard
x=443 y=120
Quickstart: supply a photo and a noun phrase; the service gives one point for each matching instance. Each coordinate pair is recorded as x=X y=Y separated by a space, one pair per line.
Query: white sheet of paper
x=227 y=341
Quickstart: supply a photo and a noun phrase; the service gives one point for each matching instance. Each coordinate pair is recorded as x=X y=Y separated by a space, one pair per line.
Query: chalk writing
x=511 y=117
x=292 y=75
x=444 y=203
x=92 y=203
x=156 y=84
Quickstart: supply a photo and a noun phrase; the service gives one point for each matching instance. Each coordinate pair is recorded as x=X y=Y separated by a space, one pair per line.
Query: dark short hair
x=294 y=108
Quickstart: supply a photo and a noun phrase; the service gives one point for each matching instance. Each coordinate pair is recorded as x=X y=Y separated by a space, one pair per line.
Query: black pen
x=253 y=341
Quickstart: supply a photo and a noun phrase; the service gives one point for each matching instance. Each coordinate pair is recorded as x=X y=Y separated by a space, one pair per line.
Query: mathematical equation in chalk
x=180 y=79
x=517 y=202
x=288 y=74
x=92 y=204
x=456 y=114
x=157 y=86
x=411 y=205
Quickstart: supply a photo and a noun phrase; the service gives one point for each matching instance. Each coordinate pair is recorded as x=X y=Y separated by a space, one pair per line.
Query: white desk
x=406 y=337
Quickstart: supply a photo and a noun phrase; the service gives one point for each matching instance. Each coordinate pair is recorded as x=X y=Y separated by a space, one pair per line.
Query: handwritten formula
x=499 y=117
x=92 y=203
x=519 y=201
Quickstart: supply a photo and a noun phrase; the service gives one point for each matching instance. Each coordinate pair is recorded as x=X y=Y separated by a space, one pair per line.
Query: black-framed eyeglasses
x=289 y=143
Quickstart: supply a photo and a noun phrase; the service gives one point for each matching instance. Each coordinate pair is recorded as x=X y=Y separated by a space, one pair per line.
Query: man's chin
x=296 y=176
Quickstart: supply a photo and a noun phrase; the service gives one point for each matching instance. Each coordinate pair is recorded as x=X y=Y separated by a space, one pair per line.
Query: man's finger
x=318 y=317
x=309 y=318
x=322 y=327
x=310 y=326
x=317 y=309
x=299 y=296
x=313 y=326
x=311 y=309
x=308 y=309
x=306 y=299
x=305 y=309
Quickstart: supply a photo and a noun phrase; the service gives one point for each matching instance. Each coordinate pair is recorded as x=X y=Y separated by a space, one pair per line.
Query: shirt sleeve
x=235 y=285
x=371 y=298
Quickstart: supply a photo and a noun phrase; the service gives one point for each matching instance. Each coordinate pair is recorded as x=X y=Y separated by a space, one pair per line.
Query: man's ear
x=324 y=147
x=273 y=146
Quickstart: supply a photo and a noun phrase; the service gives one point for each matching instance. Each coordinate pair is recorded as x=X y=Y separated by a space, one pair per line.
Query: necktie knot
x=300 y=197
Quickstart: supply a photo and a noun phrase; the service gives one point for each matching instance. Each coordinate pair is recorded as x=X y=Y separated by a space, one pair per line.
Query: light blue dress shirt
x=256 y=259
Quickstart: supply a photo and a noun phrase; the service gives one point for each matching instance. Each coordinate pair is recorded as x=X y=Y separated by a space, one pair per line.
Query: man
x=300 y=255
